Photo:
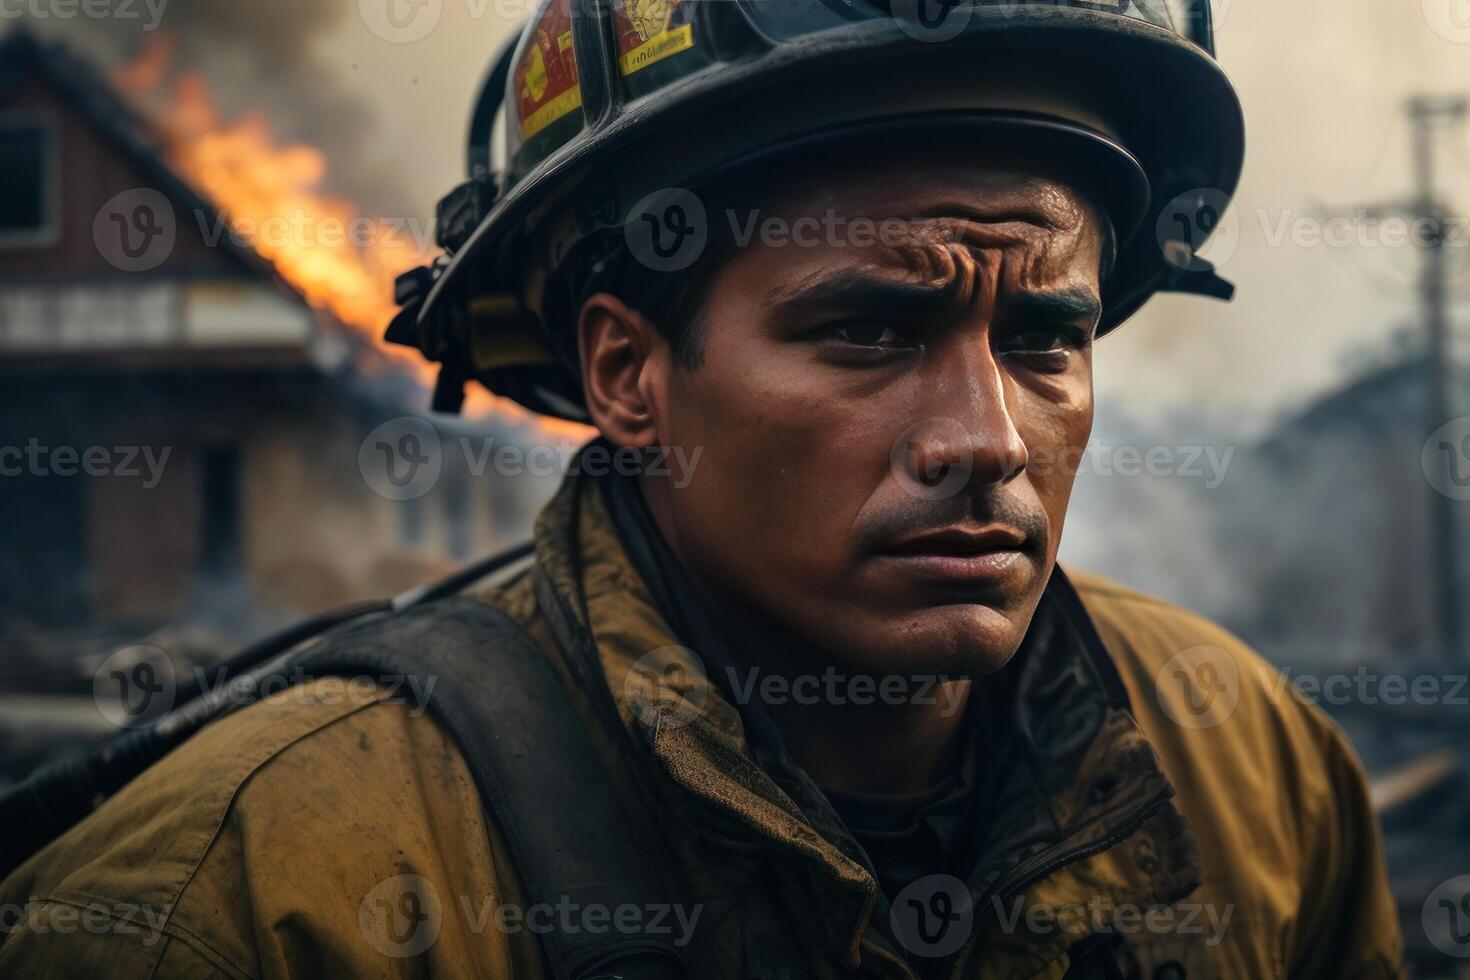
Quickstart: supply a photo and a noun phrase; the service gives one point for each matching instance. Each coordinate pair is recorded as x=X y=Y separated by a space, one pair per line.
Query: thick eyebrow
x=1062 y=306
x=857 y=291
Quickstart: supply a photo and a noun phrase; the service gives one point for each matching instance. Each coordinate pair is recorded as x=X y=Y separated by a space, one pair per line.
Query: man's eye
x=1048 y=340
x=865 y=334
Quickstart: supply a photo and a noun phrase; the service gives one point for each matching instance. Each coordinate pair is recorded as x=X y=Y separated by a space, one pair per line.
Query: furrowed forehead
x=915 y=181
x=922 y=217
x=1022 y=241
x=1054 y=229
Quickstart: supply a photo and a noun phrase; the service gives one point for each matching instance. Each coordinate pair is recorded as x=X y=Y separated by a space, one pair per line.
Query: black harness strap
x=533 y=761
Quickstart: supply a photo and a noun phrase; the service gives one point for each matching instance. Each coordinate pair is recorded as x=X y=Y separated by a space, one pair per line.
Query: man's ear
x=622 y=355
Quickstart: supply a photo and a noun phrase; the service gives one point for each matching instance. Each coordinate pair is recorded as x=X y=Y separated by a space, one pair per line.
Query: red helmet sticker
x=546 y=77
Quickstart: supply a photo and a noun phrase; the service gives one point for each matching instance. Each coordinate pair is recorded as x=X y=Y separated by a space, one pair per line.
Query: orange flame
x=271 y=195
x=146 y=73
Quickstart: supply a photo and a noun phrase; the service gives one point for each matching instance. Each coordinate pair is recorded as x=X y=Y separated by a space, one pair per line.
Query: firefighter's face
x=895 y=390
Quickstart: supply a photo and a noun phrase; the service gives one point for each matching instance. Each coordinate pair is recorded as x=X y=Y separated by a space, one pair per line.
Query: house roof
x=22 y=52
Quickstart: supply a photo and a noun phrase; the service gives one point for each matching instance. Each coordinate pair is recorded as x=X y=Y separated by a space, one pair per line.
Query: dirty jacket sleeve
x=325 y=833
x=1271 y=786
x=1349 y=925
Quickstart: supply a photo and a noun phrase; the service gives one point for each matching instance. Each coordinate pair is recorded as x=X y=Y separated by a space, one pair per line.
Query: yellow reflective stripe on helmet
x=657 y=49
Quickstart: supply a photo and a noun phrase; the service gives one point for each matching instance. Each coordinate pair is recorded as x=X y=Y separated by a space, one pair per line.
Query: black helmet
x=610 y=104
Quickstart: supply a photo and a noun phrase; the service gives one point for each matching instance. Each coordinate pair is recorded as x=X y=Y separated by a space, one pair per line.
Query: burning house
x=182 y=409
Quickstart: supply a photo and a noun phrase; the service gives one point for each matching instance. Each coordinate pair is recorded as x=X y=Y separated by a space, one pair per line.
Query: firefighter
x=826 y=277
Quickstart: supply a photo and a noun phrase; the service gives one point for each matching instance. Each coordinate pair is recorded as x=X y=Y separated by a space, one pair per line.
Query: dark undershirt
x=909 y=837
x=938 y=830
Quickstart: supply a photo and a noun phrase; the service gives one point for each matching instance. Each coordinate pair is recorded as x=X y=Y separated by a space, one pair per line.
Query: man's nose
x=970 y=437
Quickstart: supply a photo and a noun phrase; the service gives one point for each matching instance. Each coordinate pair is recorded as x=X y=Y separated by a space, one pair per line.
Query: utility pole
x=1428 y=115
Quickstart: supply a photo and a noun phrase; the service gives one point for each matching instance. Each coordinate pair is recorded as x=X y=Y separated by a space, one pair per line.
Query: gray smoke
x=261 y=55
x=1310 y=539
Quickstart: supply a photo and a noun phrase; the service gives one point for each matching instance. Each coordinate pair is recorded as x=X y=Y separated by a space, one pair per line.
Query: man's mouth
x=983 y=555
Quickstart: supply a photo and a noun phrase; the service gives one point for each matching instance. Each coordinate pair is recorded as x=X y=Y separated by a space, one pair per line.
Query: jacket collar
x=1084 y=779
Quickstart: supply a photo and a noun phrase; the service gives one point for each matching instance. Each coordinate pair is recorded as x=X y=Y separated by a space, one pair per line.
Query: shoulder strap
x=61 y=793
x=501 y=700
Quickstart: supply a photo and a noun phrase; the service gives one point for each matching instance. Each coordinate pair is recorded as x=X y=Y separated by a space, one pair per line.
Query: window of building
x=29 y=194
x=220 y=552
